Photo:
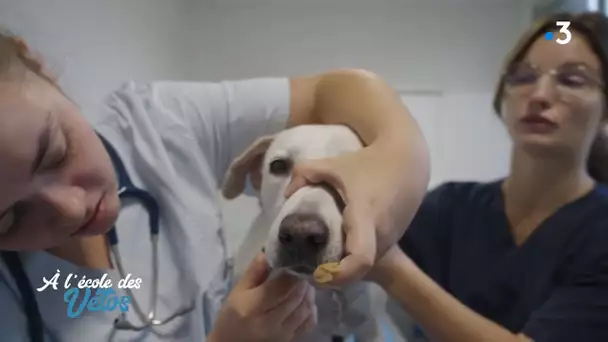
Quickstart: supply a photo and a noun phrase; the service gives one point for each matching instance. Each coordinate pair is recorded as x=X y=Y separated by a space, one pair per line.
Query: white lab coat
x=176 y=140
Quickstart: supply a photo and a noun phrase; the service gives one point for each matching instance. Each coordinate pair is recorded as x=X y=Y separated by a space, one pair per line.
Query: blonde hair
x=15 y=58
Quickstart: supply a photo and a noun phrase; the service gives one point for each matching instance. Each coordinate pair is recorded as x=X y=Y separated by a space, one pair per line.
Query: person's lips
x=537 y=119
x=538 y=123
x=87 y=227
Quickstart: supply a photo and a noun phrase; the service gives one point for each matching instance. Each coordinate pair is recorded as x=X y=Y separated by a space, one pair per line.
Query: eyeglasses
x=569 y=79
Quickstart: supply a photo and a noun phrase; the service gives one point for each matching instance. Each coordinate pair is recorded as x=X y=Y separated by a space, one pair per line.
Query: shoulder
x=601 y=192
x=586 y=258
x=446 y=208
x=144 y=99
x=593 y=216
x=454 y=205
x=450 y=203
x=203 y=105
x=477 y=193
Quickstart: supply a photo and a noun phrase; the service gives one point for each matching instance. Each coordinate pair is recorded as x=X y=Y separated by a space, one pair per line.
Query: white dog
x=302 y=232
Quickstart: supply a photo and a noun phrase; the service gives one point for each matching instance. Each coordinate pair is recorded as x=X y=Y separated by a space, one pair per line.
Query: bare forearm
x=358 y=99
x=442 y=316
x=370 y=107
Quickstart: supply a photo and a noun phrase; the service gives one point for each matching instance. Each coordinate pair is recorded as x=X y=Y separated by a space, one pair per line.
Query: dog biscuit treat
x=324 y=273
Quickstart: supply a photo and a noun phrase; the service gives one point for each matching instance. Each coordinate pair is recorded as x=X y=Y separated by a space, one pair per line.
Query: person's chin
x=539 y=145
x=100 y=226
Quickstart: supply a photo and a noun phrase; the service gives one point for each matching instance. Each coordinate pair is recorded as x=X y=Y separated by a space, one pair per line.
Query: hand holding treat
x=325 y=272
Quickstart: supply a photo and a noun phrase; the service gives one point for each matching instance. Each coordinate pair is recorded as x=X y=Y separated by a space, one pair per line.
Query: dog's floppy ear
x=248 y=163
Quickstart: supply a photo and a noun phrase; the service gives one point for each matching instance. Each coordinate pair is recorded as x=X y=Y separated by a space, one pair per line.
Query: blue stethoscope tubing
x=128 y=190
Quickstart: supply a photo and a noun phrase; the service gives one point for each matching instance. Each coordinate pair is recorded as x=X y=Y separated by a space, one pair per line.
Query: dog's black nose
x=303 y=234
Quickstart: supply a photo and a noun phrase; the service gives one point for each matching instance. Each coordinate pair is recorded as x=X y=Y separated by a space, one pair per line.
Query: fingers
x=360 y=245
x=359 y=223
x=288 y=311
x=256 y=273
x=277 y=291
x=305 y=328
x=314 y=172
x=297 y=182
x=292 y=307
x=304 y=318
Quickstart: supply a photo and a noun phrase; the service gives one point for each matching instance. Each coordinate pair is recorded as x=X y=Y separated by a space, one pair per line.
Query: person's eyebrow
x=44 y=139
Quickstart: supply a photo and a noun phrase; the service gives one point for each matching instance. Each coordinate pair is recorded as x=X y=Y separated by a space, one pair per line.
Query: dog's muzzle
x=303 y=238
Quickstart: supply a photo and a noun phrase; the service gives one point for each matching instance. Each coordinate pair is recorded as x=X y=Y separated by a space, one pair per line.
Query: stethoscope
x=127 y=190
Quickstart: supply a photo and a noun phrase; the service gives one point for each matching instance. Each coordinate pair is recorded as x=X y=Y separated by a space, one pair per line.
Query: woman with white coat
x=157 y=158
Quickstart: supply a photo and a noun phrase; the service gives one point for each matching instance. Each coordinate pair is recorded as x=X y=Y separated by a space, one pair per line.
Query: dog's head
x=305 y=229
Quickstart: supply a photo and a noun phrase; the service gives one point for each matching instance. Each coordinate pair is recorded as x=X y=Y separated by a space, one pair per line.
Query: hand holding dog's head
x=306 y=226
x=360 y=247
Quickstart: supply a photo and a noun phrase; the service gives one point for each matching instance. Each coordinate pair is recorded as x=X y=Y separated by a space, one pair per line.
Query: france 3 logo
x=563 y=36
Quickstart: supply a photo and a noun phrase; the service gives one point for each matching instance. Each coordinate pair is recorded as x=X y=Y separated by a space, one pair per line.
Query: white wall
x=543 y=8
x=96 y=45
x=444 y=56
x=431 y=45
x=466 y=142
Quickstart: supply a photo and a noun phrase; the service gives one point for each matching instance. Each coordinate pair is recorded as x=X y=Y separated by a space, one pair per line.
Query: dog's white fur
x=302 y=143
x=297 y=144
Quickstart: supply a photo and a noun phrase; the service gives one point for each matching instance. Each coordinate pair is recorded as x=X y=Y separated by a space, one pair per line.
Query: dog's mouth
x=303 y=241
x=302 y=269
x=295 y=268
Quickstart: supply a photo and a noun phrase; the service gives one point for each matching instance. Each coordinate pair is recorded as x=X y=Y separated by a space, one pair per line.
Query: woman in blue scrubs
x=524 y=258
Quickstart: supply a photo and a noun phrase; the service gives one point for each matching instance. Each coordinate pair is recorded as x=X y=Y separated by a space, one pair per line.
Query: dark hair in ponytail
x=593 y=27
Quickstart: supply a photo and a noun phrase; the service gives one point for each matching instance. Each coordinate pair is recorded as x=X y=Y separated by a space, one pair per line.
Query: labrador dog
x=302 y=232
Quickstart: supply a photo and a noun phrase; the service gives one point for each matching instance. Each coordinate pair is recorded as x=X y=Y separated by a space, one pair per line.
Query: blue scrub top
x=554 y=287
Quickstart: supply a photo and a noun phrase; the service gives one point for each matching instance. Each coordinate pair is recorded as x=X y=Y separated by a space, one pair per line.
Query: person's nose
x=67 y=203
x=545 y=91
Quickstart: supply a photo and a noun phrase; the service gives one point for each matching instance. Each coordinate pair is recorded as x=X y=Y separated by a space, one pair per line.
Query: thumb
x=256 y=273
x=360 y=244
x=313 y=172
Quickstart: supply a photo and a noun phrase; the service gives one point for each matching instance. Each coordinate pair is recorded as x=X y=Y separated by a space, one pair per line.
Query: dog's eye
x=280 y=166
